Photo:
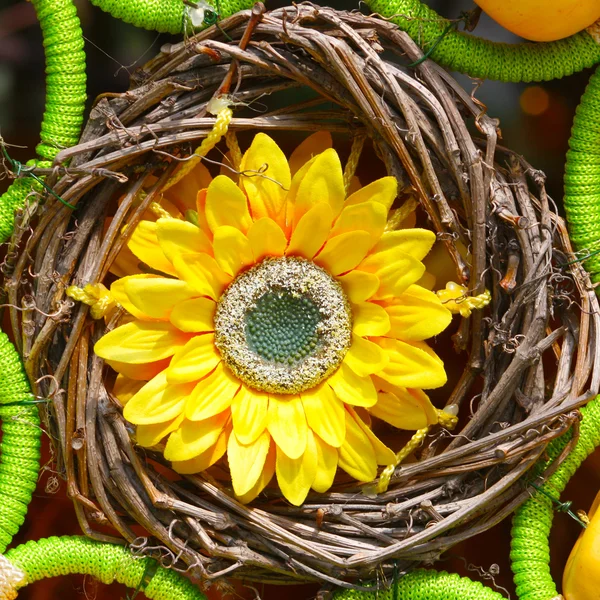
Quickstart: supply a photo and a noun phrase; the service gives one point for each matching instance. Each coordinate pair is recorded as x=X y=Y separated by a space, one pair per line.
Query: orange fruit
x=543 y=20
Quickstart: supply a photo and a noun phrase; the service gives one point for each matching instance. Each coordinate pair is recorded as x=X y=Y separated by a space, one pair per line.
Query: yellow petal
x=266 y=239
x=150 y=435
x=202 y=273
x=206 y=459
x=232 y=250
x=414 y=242
x=286 y=422
x=420 y=396
x=406 y=409
x=311 y=232
x=365 y=357
x=427 y=281
x=382 y=191
x=290 y=200
x=344 y=252
x=158 y=401
x=249 y=414
x=295 y=476
x=192 y=438
x=125 y=388
x=395 y=269
x=226 y=204
x=352 y=389
x=327 y=460
x=181 y=237
x=314 y=144
x=383 y=455
x=412 y=365
x=325 y=414
x=201 y=212
x=359 y=285
x=212 y=395
x=140 y=342
x=144 y=244
x=357 y=455
x=183 y=193
x=246 y=461
x=265 y=178
x=323 y=181
x=369 y=319
x=117 y=289
x=142 y=372
x=416 y=315
x=156 y=296
x=195 y=360
x=367 y=216
x=265 y=476
x=195 y=316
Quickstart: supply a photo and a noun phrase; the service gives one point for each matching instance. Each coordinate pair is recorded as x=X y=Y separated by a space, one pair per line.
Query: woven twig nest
x=529 y=358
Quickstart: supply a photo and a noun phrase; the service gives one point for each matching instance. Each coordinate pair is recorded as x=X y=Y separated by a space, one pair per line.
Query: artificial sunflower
x=278 y=316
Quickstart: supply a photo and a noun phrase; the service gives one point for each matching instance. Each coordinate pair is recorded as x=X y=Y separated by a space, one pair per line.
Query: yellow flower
x=285 y=316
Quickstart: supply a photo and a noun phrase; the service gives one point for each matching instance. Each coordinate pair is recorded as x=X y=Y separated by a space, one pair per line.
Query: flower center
x=283 y=326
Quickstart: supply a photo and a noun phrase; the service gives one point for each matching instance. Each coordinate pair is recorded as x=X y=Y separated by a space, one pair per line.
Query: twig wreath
x=529 y=355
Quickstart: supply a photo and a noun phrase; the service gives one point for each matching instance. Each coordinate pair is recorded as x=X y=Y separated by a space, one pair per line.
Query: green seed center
x=282 y=327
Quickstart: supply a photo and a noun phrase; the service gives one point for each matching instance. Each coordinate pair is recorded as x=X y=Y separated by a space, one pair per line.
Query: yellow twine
x=11 y=579
x=355 y=152
x=95 y=295
x=454 y=298
x=217 y=106
x=398 y=215
x=234 y=149
x=583 y=516
x=445 y=418
x=159 y=211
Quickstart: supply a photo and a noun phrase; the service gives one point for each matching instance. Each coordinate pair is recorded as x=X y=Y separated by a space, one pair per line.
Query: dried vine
x=530 y=360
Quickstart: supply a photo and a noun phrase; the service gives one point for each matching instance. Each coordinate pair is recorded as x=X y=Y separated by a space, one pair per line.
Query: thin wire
x=18 y=169
x=560 y=506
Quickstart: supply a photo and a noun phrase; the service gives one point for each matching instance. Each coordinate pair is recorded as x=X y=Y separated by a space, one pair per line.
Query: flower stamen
x=283 y=326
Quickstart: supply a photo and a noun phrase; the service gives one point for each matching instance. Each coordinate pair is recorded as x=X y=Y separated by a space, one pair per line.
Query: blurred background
x=535 y=121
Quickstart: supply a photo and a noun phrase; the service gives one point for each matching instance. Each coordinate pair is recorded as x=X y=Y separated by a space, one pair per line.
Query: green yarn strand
x=55 y=556
x=65 y=75
x=425 y=584
x=65 y=96
x=530 y=551
x=484 y=59
x=166 y=16
x=20 y=447
x=582 y=178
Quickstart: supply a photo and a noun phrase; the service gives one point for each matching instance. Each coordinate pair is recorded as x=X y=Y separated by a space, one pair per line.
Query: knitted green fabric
x=65 y=75
x=582 y=177
x=167 y=16
x=20 y=447
x=424 y=584
x=530 y=552
x=485 y=59
x=107 y=562
x=65 y=96
x=10 y=201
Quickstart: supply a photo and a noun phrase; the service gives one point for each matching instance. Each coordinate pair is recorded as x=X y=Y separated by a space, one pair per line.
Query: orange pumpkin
x=581 y=577
x=543 y=20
